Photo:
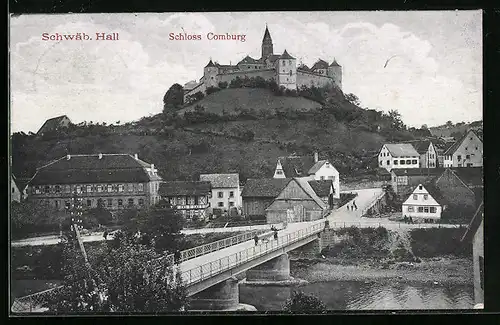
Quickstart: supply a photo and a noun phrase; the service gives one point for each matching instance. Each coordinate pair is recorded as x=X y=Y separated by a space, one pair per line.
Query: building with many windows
x=422 y=205
x=398 y=155
x=466 y=152
x=226 y=192
x=114 y=181
x=190 y=198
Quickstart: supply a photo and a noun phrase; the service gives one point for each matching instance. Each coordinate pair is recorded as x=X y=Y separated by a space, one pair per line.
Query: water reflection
x=353 y=295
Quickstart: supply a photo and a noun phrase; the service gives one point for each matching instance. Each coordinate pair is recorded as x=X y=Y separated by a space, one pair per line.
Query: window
x=388 y=162
x=410 y=209
x=426 y=209
x=402 y=162
x=415 y=196
x=110 y=188
x=58 y=189
x=279 y=172
x=78 y=189
x=420 y=187
x=99 y=188
x=426 y=196
x=381 y=163
x=181 y=200
x=56 y=203
x=130 y=187
x=67 y=204
x=420 y=209
x=110 y=203
x=220 y=204
x=220 y=195
x=141 y=187
x=459 y=157
x=467 y=157
x=141 y=201
x=414 y=161
x=130 y=201
x=67 y=188
x=120 y=187
x=120 y=202
x=231 y=204
x=469 y=164
x=322 y=178
x=171 y=201
x=290 y=73
x=476 y=148
x=13 y=190
x=432 y=209
x=89 y=203
x=408 y=162
x=395 y=162
x=46 y=189
x=89 y=188
x=459 y=165
x=481 y=271
x=190 y=200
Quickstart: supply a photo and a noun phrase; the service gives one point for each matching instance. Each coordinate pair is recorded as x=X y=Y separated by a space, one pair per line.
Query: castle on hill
x=281 y=68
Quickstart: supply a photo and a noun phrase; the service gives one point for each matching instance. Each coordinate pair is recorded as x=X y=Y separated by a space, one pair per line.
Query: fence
x=392 y=225
x=31 y=303
x=197 y=274
x=376 y=198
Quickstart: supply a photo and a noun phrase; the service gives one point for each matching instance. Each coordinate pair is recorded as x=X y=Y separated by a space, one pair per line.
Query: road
x=337 y=218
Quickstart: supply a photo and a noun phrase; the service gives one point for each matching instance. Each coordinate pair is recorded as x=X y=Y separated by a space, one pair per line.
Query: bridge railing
x=31 y=302
x=225 y=263
x=375 y=224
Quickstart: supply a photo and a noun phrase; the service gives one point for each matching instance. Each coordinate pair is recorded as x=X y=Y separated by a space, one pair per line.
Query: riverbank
x=442 y=270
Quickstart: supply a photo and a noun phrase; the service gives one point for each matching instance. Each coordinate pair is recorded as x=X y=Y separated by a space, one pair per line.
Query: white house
x=428 y=153
x=398 y=155
x=15 y=193
x=308 y=167
x=466 y=152
x=225 y=190
x=421 y=206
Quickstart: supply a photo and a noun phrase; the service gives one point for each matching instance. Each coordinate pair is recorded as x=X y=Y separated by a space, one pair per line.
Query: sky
x=435 y=73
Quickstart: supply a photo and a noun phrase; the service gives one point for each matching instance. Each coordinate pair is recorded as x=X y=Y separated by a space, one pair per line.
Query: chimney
x=100 y=156
x=68 y=157
x=135 y=156
x=152 y=167
x=315 y=157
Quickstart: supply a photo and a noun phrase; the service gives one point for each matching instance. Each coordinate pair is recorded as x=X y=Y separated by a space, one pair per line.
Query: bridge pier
x=222 y=296
x=277 y=269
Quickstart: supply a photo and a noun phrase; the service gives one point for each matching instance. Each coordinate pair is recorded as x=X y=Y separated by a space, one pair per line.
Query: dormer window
x=420 y=187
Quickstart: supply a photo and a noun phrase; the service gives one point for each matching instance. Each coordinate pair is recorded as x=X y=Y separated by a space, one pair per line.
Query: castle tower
x=335 y=72
x=267 y=44
x=210 y=75
x=287 y=71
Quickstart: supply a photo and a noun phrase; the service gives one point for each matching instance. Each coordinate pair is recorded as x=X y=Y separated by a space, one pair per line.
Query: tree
x=353 y=99
x=174 y=98
x=424 y=127
x=161 y=225
x=449 y=124
x=301 y=302
x=122 y=278
x=396 y=121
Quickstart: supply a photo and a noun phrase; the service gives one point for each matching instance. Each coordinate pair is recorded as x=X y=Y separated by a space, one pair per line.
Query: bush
x=300 y=302
x=439 y=242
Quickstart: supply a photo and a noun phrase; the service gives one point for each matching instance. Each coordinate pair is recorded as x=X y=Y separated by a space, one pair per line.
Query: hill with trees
x=248 y=141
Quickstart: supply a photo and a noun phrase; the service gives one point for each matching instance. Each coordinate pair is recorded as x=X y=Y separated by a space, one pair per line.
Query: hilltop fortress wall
x=267 y=74
x=310 y=79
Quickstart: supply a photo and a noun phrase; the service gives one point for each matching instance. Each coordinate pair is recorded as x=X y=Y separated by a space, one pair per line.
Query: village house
x=398 y=155
x=297 y=202
x=428 y=153
x=54 y=123
x=309 y=167
x=325 y=191
x=191 y=198
x=15 y=193
x=258 y=194
x=465 y=152
x=404 y=181
x=225 y=191
x=423 y=205
x=475 y=234
x=462 y=187
x=114 y=181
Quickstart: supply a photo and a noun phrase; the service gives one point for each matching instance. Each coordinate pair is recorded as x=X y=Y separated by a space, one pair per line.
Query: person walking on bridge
x=256 y=238
x=276 y=234
x=354 y=205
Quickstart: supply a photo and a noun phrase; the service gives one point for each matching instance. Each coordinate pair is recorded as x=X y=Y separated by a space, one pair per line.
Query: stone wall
x=309 y=79
x=267 y=74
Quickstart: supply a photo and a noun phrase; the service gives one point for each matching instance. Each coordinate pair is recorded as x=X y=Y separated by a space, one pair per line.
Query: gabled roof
x=451 y=150
x=334 y=63
x=303 y=67
x=474 y=224
x=322 y=187
x=304 y=183
x=20 y=182
x=317 y=166
x=401 y=149
x=285 y=55
x=421 y=145
x=435 y=192
x=210 y=64
x=248 y=60
x=320 y=64
x=264 y=187
x=111 y=168
x=190 y=188
x=221 y=180
x=296 y=166
x=417 y=171
x=471 y=176
x=52 y=123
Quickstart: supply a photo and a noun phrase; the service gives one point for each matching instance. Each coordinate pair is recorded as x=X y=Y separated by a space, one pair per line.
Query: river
x=357 y=295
